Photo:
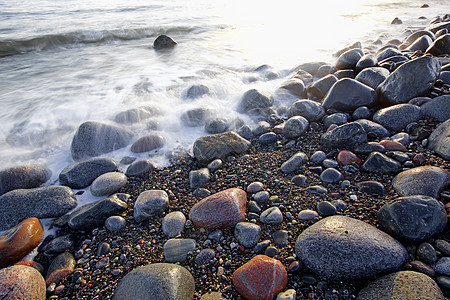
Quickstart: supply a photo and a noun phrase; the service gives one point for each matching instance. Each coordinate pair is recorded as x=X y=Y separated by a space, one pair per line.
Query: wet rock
x=197 y=91
x=295 y=127
x=367 y=61
x=371 y=187
x=60 y=244
x=425 y=180
x=340 y=248
x=373 y=127
x=23 y=177
x=440 y=46
x=396 y=117
x=337 y=118
x=308 y=109
x=148 y=143
x=325 y=70
x=197 y=116
x=381 y=164
x=177 y=250
x=417 y=34
x=311 y=67
x=108 y=183
x=115 y=223
x=294 y=163
x=140 y=167
x=134 y=115
x=422 y=268
x=255 y=187
x=348 y=94
x=421 y=44
x=370 y=147
x=306 y=77
x=271 y=215
x=443 y=246
x=438 y=108
x=413 y=218
x=61 y=266
x=163 y=42
x=321 y=87
x=388 y=52
x=426 y=253
x=372 y=77
x=219 y=145
x=198 y=178
x=247 y=234
x=150 y=203
x=439 y=140
x=22 y=282
x=216 y=125
x=269 y=138
x=81 y=174
x=295 y=86
x=173 y=223
x=349 y=59
x=345 y=136
x=442 y=266
x=326 y=208
x=254 y=99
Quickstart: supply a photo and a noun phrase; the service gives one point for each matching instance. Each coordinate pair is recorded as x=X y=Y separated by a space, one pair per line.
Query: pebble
x=204 y=257
x=254 y=207
x=215 y=164
x=268 y=138
x=317 y=190
x=280 y=238
x=326 y=208
x=295 y=267
x=443 y=246
x=393 y=145
x=371 y=187
x=177 y=250
x=442 y=266
x=173 y=223
x=261 y=246
x=271 y=251
x=331 y=175
x=330 y=163
x=340 y=205
x=255 y=187
x=108 y=183
x=150 y=203
x=294 y=163
x=198 y=178
x=346 y=157
x=271 y=215
x=60 y=267
x=299 y=180
x=247 y=234
x=443 y=281
x=201 y=193
x=115 y=223
x=307 y=214
x=261 y=197
x=140 y=167
x=426 y=253
x=317 y=157
x=290 y=294
x=422 y=268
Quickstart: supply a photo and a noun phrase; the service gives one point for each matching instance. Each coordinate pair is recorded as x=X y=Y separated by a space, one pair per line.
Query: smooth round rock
x=326 y=208
x=115 y=223
x=204 y=257
x=346 y=157
x=261 y=197
x=373 y=128
x=439 y=140
x=271 y=215
x=426 y=253
x=247 y=234
x=371 y=187
x=396 y=117
x=22 y=282
x=349 y=59
x=148 y=143
x=317 y=157
x=220 y=145
x=140 y=167
x=331 y=175
x=316 y=190
x=173 y=223
x=321 y=87
x=345 y=136
x=307 y=214
x=308 y=109
x=81 y=174
x=425 y=180
x=23 y=177
x=197 y=116
x=108 y=184
x=217 y=125
x=163 y=42
x=336 y=118
x=255 y=187
x=299 y=180
x=438 y=108
x=60 y=267
x=198 y=178
x=348 y=94
x=254 y=99
x=197 y=91
x=294 y=162
x=295 y=127
x=149 y=204
x=381 y=164
x=177 y=250
x=268 y=138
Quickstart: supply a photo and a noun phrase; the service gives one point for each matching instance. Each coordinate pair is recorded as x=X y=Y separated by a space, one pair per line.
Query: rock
x=261 y=197
x=426 y=253
x=422 y=268
x=43 y=202
x=197 y=116
x=308 y=109
x=438 y=26
x=387 y=53
x=150 y=203
x=304 y=76
x=198 y=178
x=255 y=187
x=93 y=139
x=148 y=143
x=349 y=59
x=442 y=266
x=307 y=214
x=219 y=145
x=280 y=238
x=370 y=147
x=326 y=208
x=271 y=215
x=260 y=278
x=163 y=42
x=156 y=281
x=421 y=44
x=18 y=241
x=348 y=94
x=316 y=190
x=417 y=34
x=261 y=128
x=23 y=177
x=22 y=282
x=371 y=187
x=140 y=167
x=295 y=127
x=115 y=223
x=217 y=125
x=372 y=77
x=440 y=46
x=317 y=157
x=410 y=80
x=443 y=281
x=310 y=67
x=247 y=234
x=173 y=223
x=367 y=61
x=295 y=86
x=294 y=163
x=331 y=175
x=290 y=294
x=254 y=99
x=92 y=215
x=61 y=266
x=212 y=296
x=346 y=157
x=393 y=146
x=438 y=108
x=413 y=218
x=177 y=250
x=425 y=180
x=81 y=174
x=108 y=183
x=341 y=248
x=221 y=210
x=374 y=128
x=268 y=138
x=204 y=257
x=60 y=244
x=197 y=91
x=381 y=164
x=345 y=136
x=337 y=119
x=443 y=247
x=134 y=115
x=325 y=70
x=401 y=137
x=439 y=140
x=396 y=117
x=402 y=285
x=321 y=87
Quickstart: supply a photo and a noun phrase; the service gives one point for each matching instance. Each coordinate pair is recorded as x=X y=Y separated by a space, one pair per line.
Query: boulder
x=387 y=53
x=438 y=108
x=348 y=94
x=150 y=203
x=425 y=180
x=295 y=86
x=254 y=99
x=220 y=145
x=372 y=77
x=374 y=128
x=310 y=110
x=367 y=61
x=295 y=127
x=22 y=282
x=321 y=87
x=381 y=164
x=421 y=44
x=438 y=26
x=439 y=140
x=81 y=174
x=342 y=248
x=346 y=136
x=108 y=183
x=349 y=59
x=197 y=91
x=396 y=117
x=440 y=46
x=148 y=143
x=163 y=42
x=23 y=177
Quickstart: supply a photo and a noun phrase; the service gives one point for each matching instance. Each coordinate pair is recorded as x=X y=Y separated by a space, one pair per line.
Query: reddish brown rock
x=221 y=210
x=18 y=241
x=393 y=146
x=260 y=278
x=419 y=159
x=60 y=267
x=30 y=263
x=21 y=282
x=346 y=157
x=422 y=268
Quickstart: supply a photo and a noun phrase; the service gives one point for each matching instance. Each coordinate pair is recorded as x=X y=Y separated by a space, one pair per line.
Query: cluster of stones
x=371 y=105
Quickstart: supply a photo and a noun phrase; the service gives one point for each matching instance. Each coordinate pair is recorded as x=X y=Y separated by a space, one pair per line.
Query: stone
x=221 y=210
x=269 y=138
x=156 y=281
x=254 y=99
x=366 y=61
x=402 y=138
x=342 y=248
x=410 y=80
x=148 y=143
x=261 y=197
x=271 y=215
x=261 y=247
x=439 y=140
x=372 y=77
x=443 y=281
x=280 y=238
x=133 y=115
x=18 y=241
x=260 y=278
x=247 y=234
x=150 y=203
x=340 y=205
x=346 y=136
x=381 y=164
x=173 y=223
x=426 y=253
x=212 y=296
x=197 y=116
x=140 y=167
x=371 y=187
x=348 y=94
x=443 y=247
x=442 y=266
x=115 y=223
x=163 y=42
x=216 y=125
x=42 y=202
x=294 y=163
x=440 y=46
x=331 y=175
x=60 y=244
x=108 y=183
x=295 y=86
x=295 y=127
x=346 y=157
x=308 y=109
x=177 y=250
x=413 y=218
x=420 y=44
x=374 y=128
x=317 y=157
x=417 y=34
x=290 y=294
x=60 y=267
x=387 y=53
x=92 y=215
x=196 y=91
x=245 y=132
x=321 y=87
x=325 y=70
x=198 y=178
x=438 y=108
x=204 y=257
x=21 y=282
x=336 y=118
x=307 y=214
x=81 y=174
x=326 y=208
x=422 y=268
x=23 y=177
x=393 y=146
x=316 y=190
x=402 y=285
x=368 y=148
x=299 y=180
x=349 y=59
x=93 y=139
x=424 y=180
x=310 y=67
x=208 y=148
x=255 y=187
x=396 y=117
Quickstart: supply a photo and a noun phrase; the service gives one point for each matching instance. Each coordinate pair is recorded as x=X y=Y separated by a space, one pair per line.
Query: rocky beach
x=340 y=191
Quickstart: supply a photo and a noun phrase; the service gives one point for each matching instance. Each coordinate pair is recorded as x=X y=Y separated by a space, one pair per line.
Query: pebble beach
x=340 y=191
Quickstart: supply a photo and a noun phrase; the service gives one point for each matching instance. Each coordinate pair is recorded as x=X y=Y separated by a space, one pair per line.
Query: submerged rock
x=310 y=110
x=164 y=42
x=254 y=99
x=81 y=174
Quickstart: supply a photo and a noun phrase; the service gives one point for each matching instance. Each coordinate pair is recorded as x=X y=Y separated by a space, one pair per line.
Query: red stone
x=346 y=157
x=393 y=145
x=32 y=264
x=419 y=159
x=447 y=208
x=18 y=241
x=260 y=278
x=21 y=282
x=221 y=210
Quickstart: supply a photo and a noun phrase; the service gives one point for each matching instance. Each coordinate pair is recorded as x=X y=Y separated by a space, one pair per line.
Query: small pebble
x=115 y=223
x=255 y=187
x=325 y=208
x=271 y=251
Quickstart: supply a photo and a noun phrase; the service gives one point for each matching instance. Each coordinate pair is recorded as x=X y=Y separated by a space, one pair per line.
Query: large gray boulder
x=23 y=177
x=425 y=180
x=396 y=117
x=410 y=80
x=310 y=110
x=346 y=136
x=81 y=174
x=439 y=140
x=372 y=77
x=93 y=139
x=438 y=108
x=341 y=248
x=254 y=99
x=220 y=145
x=43 y=202
x=156 y=281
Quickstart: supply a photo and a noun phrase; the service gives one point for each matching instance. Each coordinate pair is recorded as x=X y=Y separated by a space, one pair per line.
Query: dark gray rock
x=295 y=86
x=23 y=177
x=269 y=138
x=60 y=244
x=208 y=148
x=341 y=248
x=438 y=108
x=295 y=127
x=366 y=61
x=310 y=110
x=442 y=266
x=426 y=253
x=254 y=99
x=177 y=250
x=140 y=167
x=438 y=26
x=348 y=94
x=439 y=140
x=425 y=180
x=216 y=125
x=108 y=183
x=396 y=117
x=92 y=215
x=372 y=77
x=331 y=175
x=247 y=234
x=81 y=174
x=198 y=178
x=197 y=91
x=421 y=44
x=413 y=218
x=445 y=77
x=271 y=215
x=443 y=246
x=381 y=164
x=310 y=67
x=197 y=116
x=173 y=223
x=321 y=87
x=317 y=157
x=43 y=202
x=316 y=190
x=280 y=238
x=150 y=203
x=156 y=281
x=204 y=257
x=346 y=136
x=440 y=46
x=370 y=147
x=245 y=132
x=371 y=187
x=164 y=42
x=349 y=59
x=93 y=139
x=417 y=34
x=304 y=76
x=294 y=163
x=337 y=118
x=388 y=52
x=373 y=127
x=410 y=80
x=326 y=208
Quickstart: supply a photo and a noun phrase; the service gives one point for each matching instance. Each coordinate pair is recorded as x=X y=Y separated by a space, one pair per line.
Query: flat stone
x=413 y=218
x=268 y=138
x=23 y=177
x=346 y=136
x=173 y=223
x=381 y=164
x=295 y=127
x=299 y=180
x=260 y=278
x=208 y=148
x=396 y=117
x=424 y=180
x=18 y=241
x=421 y=267
x=150 y=203
x=108 y=183
x=81 y=174
x=204 y=257
x=254 y=99
x=443 y=246
x=156 y=281
x=177 y=250
x=148 y=143
x=369 y=147
x=255 y=187
x=402 y=285
x=439 y=140
x=22 y=282
x=348 y=94
x=294 y=163
x=308 y=109
x=341 y=248
x=60 y=267
x=307 y=214
x=271 y=215
x=262 y=197
x=43 y=202
x=221 y=210
x=140 y=167
x=371 y=187
x=247 y=234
